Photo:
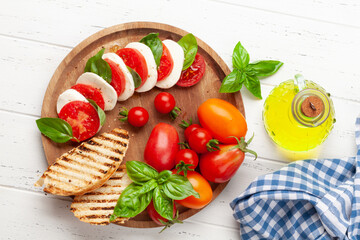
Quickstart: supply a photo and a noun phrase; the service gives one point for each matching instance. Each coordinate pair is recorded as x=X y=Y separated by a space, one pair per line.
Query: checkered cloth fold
x=309 y=199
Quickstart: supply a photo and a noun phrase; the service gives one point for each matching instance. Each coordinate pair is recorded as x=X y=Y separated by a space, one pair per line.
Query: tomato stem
x=185 y=124
x=183 y=167
x=242 y=145
x=184 y=145
x=213 y=145
x=175 y=113
x=170 y=222
x=124 y=114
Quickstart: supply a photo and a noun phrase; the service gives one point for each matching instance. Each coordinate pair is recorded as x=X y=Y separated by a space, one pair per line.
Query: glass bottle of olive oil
x=298 y=115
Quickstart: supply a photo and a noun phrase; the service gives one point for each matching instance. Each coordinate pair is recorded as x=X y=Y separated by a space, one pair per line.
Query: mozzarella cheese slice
x=107 y=91
x=68 y=96
x=177 y=54
x=129 y=82
x=151 y=65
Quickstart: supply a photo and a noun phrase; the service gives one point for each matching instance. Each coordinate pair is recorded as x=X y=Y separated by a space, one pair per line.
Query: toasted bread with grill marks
x=87 y=166
x=97 y=206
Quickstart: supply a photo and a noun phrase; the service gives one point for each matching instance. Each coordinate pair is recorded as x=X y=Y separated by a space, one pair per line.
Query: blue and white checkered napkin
x=310 y=199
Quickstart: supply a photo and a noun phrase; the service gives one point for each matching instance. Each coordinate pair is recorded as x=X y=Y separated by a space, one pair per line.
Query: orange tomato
x=201 y=186
x=222 y=119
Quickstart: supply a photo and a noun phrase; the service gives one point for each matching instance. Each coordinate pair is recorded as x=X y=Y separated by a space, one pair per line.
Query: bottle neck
x=302 y=116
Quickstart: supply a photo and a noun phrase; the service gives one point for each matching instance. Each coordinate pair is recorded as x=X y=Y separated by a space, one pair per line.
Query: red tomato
x=155 y=216
x=162 y=146
x=138 y=116
x=90 y=92
x=134 y=59
x=222 y=119
x=190 y=129
x=117 y=77
x=82 y=117
x=201 y=141
x=186 y=159
x=194 y=73
x=166 y=64
x=164 y=102
x=221 y=165
x=201 y=186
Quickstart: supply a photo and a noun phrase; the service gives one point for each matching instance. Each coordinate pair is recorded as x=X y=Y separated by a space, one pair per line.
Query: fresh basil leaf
x=136 y=77
x=99 y=66
x=163 y=176
x=252 y=83
x=162 y=204
x=140 y=172
x=56 y=129
x=190 y=47
x=100 y=112
x=178 y=187
x=240 y=58
x=233 y=82
x=131 y=202
x=154 y=43
x=264 y=68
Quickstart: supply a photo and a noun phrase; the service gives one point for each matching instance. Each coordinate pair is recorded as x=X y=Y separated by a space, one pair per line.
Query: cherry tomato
x=164 y=102
x=186 y=159
x=222 y=119
x=90 y=92
x=135 y=60
x=201 y=186
x=117 y=77
x=220 y=166
x=161 y=147
x=194 y=73
x=155 y=216
x=138 y=116
x=166 y=64
x=82 y=117
x=201 y=141
x=190 y=129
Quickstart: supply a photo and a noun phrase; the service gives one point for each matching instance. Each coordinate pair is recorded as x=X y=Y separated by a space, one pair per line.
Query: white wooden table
x=318 y=38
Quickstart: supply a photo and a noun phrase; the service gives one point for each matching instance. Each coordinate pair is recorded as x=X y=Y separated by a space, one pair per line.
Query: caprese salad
x=115 y=76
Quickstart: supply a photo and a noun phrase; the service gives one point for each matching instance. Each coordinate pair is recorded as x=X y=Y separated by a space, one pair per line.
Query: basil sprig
x=190 y=47
x=56 y=129
x=136 y=77
x=148 y=184
x=246 y=73
x=99 y=66
x=153 y=41
x=100 y=112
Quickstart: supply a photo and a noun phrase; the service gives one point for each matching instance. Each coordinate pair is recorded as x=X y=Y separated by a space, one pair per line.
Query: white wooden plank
x=344 y=12
x=41 y=217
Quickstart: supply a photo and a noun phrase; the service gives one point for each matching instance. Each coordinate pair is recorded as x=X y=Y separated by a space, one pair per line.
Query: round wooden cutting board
x=188 y=99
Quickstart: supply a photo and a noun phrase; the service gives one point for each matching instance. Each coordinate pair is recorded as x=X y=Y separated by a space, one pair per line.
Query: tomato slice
x=90 y=92
x=82 y=117
x=193 y=74
x=166 y=64
x=117 y=77
x=134 y=59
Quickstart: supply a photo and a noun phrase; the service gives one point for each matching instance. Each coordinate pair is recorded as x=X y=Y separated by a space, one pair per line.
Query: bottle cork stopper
x=312 y=106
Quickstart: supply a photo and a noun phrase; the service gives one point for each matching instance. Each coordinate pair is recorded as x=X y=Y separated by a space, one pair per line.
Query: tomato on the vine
x=201 y=141
x=137 y=116
x=221 y=165
x=201 y=186
x=185 y=160
x=165 y=103
x=222 y=119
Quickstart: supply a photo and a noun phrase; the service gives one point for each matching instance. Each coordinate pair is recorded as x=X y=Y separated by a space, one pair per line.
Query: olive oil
x=298 y=115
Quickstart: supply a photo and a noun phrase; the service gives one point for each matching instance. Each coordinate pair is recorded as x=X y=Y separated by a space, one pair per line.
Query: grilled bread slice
x=87 y=166
x=97 y=206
